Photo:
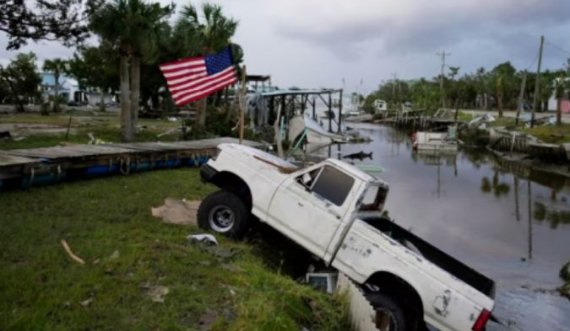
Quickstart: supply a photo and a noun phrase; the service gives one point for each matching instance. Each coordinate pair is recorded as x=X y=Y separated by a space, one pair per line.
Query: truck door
x=310 y=207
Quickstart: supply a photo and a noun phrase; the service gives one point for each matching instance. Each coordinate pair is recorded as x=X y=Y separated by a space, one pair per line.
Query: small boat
x=435 y=141
x=315 y=134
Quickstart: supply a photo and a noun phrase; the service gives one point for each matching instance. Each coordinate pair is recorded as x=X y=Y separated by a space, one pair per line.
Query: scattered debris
x=70 y=253
x=176 y=211
x=115 y=255
x=167 y=132
x=95 y=141
x=86 y=303
x=360 y=156
x=204 y=238
x=157 y=293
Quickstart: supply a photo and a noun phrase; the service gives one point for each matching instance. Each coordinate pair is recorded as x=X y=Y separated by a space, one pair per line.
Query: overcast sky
x=317 y=43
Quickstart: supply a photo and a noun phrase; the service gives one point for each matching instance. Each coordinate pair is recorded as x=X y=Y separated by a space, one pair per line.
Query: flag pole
x=242 y=105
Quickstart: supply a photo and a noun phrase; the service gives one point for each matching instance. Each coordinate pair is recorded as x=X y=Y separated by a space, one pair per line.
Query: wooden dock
x=36 y=166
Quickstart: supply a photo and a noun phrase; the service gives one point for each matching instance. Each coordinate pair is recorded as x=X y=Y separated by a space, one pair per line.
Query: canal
x=508 y=222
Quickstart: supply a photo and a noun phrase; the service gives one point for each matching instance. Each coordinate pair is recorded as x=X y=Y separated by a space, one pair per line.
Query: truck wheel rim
x=221 y=219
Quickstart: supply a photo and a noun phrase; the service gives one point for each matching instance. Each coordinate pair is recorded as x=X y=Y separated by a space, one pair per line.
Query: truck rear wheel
x=389 y=314
x=225 y=213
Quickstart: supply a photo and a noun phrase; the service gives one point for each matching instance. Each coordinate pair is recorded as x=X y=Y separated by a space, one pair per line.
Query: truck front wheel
x=224 y=212
x=389 y=314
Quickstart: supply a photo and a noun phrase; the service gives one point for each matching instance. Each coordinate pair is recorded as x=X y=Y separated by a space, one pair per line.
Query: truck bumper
x=207 y=173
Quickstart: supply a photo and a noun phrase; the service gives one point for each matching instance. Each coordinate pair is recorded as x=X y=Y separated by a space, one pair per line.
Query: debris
x=115 y=255
x=157 y=293
x=167 y=132
x=360 y=156
x=70 y=253
x=176 y=211
x=95 y=141
x=86 y=303
x=204 y=238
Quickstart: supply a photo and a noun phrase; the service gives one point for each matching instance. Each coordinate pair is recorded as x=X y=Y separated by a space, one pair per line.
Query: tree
x=22 y=79
x=57 y=67
x=560 y=87
x=96 y=67
x=45 y=19
x=214 y=33
x=504 y=76
x=132 y=27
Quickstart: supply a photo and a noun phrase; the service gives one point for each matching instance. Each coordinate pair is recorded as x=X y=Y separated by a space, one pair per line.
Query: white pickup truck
x=333 y=210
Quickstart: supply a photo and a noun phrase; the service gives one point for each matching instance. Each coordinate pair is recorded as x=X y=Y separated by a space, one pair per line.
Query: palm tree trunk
x=126 y=127
x=102 y=101
x=56 y=94
x=558 y=112
x=135 y=92
x=500 y=105
x=202 y=105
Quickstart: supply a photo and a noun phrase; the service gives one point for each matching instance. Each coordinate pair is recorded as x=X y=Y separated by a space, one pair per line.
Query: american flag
x=195 y=78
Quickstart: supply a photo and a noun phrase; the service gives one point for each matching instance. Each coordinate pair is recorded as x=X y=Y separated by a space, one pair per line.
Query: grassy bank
x=130 y=255
x=552 y=134
x=33 y=130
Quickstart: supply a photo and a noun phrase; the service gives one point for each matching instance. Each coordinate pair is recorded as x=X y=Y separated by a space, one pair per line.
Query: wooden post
x=521 y=98
x=339 y=112
x=242 y=105
x=330 y=112
x=314 y=109
x=537 y=83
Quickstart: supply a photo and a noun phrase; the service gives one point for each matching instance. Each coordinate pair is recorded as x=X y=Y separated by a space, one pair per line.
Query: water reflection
x=506 y=220
x=495 y=186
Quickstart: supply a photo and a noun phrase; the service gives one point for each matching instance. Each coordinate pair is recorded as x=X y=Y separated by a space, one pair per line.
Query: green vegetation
x=498 y=88
x=19 y=80
x=551 y=134
x=128 y=253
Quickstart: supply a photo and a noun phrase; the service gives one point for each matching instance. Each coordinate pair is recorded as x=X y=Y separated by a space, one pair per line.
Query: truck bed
x=435 y=255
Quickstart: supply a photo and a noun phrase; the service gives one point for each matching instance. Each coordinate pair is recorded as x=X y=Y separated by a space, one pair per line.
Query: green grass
x=42 y=288
x=103 y=126
x=551 y=133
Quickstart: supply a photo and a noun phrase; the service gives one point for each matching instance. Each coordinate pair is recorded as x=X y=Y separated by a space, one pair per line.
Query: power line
x=533 y=61
x=548 y=42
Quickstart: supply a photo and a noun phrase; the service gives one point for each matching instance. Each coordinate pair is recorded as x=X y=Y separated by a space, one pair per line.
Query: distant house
x=564 y=103
x=68 y=87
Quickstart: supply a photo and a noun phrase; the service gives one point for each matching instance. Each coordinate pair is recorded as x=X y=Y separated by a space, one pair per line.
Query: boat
x=306 y=127
x=435 y=141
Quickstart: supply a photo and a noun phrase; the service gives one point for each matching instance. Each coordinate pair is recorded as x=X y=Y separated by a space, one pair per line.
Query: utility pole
x=536 y=100
x=521 y=98
x=443 y=54
x=395 y=81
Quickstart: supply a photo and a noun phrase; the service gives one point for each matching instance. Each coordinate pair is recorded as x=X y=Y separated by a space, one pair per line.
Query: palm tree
x=57 y=67
x=214 y=33
x=133 y=27
x=560 y=87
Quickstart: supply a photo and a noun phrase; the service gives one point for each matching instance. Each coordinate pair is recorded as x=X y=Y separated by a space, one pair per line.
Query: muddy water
x=508 y=222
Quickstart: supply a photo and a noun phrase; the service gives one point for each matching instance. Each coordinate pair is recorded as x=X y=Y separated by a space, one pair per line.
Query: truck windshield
x=373 y=198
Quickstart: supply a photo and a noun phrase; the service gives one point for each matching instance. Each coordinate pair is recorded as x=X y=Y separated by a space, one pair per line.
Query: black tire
x=225 y=213
x=389 y=313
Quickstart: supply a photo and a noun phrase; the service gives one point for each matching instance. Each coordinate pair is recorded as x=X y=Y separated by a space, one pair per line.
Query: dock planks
x=86 y=160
